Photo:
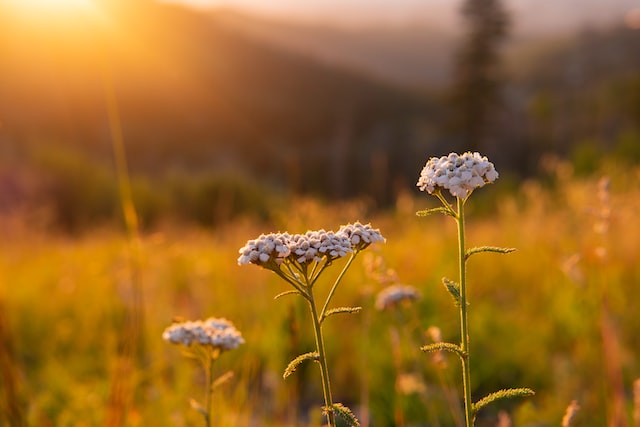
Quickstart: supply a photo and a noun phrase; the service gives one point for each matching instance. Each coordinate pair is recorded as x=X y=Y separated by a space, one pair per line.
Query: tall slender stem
x=322 y=359
x=209 y=385
x=464 y=331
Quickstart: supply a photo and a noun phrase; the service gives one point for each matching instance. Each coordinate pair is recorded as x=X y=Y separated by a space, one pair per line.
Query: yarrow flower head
x=393 y=295
x=460 y=174
x=271 y=250
x=216 y=333
x=361 y=235
x=266 y=249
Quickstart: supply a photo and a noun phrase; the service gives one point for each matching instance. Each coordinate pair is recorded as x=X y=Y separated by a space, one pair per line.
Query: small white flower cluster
x=308 y=247
x=316 y=245
x=391 y=296
x=361 y=235
x=460 y=174
x=217 y=333
x=267 y=247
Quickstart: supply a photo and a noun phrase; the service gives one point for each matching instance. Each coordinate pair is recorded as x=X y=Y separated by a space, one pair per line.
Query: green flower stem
x=464 y=329
x=209 y=390
x=335 y=286
x=322 y=359
x=208 y=359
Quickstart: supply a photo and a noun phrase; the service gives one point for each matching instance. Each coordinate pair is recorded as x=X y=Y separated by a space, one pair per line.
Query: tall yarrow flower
x=206 y=341
x=300 y=259
x=460 y=174
x=217 y=333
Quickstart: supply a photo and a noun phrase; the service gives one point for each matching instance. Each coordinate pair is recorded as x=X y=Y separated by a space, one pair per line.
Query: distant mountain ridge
x=196 y=97
x=418 y=52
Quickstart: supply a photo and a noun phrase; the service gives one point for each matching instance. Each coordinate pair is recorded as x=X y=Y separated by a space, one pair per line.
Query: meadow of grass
x=559 y=315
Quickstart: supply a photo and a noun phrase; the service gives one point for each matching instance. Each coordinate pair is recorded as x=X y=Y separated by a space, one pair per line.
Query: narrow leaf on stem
x=293 y=365
x=502 y=394
x=343 y=412
x=439 y=346
x=494 y=249
x=341 y=310
x=198 y=407
x=221 y=380
x=453 y=288
x=432 y=211
x=281 y=294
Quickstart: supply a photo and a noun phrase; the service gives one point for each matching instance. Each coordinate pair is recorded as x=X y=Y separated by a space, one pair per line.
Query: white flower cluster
x=391 y=296
x=308 y=247
x=460 y=174
x=217 y=333
x=266 y=248
x=361 y=235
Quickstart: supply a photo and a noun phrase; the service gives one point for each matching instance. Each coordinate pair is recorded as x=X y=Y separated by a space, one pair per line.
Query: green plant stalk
x=335 y=286
x=464 y=328
x=322 y=359
x=209 y=385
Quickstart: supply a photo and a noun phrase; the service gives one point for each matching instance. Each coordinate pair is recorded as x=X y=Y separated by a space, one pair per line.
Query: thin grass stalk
x=122 y=390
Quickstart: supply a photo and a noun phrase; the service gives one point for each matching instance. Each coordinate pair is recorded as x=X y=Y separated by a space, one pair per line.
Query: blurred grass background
x=237 y=124
x=535 y=315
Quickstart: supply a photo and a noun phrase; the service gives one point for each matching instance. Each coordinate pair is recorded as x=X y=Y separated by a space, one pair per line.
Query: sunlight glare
x=51 y=9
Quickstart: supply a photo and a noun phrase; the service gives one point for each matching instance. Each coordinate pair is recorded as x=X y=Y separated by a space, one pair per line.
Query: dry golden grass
x=536 y=320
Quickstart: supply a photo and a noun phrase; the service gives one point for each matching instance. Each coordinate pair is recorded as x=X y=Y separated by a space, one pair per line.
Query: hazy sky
x=341 y=10
x=541 y=14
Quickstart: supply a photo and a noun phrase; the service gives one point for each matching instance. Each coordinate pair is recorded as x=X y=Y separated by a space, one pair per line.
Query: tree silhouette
x=476 y=86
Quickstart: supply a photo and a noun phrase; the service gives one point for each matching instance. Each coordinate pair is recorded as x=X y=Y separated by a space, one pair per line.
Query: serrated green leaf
x=281 y=294
x=342 y=310
x=494 y=249
x=440 y=346
x=453 y=288
x=293 y=365
x=432 y=211
x=343 y=412
x=502 y=394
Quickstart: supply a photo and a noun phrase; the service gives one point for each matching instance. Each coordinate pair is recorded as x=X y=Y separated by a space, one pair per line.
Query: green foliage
x=78 y=192
x=64 y=299
x=494 y=249
x=293 y=365
x=431 y=211
x=341 y=310
x=344 y=413
x=502 y=394
x=444 y=346
x=453 y=288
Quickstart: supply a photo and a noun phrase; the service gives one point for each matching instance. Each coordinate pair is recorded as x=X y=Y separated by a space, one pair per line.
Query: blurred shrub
x=80 y=192
x=211 y=199
x=586 y=157
x=627 y=147
x=77 y=190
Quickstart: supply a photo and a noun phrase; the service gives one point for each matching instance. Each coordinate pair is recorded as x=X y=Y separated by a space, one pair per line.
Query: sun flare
x=51 y=9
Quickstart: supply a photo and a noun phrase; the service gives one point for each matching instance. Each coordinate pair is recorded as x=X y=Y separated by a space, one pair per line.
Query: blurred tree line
x=216 y=124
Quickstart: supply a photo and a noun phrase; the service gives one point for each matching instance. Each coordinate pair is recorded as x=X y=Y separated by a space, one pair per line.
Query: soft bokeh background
x=213 y=122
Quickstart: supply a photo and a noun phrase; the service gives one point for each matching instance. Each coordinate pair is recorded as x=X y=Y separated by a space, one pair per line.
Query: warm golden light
x=51 y=9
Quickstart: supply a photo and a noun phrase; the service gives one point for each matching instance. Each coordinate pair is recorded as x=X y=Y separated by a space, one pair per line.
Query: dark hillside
x=195 y=96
